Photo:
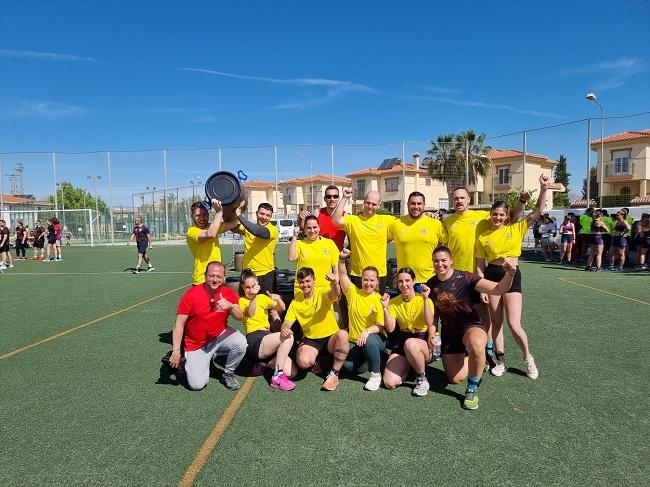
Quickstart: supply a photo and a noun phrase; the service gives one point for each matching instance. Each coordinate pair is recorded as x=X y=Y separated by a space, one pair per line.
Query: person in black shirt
x=463 y=334
x=142 y=239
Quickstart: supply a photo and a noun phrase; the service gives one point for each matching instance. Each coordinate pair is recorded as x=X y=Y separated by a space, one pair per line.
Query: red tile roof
x=258 y=185
x=508 y=153
x=15 y=200
x=396 y=169
x=318 y=178
x=623 y=136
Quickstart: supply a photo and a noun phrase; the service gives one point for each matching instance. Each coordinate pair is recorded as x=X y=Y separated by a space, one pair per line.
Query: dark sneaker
x=228 y=380
x=136 y=270
x=150 y=268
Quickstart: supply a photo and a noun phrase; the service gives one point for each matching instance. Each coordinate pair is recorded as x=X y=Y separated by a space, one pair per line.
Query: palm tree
x=446 y=159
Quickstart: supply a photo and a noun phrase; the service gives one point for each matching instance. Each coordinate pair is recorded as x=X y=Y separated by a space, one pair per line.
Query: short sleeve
x=479 y=250
x=472 y=279
x=272 y=230
x=522 y=227
x=443 y=236
x=391 y=230
x=243 y=304
x=334 y=252
x=193 y=233
x=291 y=313
x=351 y=292
x=348 y=221
x=392 y=307
x=184 y=305
x=379 y=314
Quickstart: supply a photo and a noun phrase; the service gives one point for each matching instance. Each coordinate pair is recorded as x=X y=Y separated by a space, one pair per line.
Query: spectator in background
x=607 y=236
x=567 y=238
x=546 y=236
x=596 y=245
x=642 y=240
x=39 y=234
x=20 y=236
x=57 y=233
x=142 y=237
x=5 y=255
x=584 y=237
x=619 y=243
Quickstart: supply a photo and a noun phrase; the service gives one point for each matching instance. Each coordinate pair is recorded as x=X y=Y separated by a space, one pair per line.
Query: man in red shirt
x=202 y=315
x=327 y=227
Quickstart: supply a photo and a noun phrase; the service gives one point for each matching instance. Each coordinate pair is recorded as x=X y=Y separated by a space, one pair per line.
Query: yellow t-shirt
x=315 y=315
x=368 y=241
x=415 y=240
x=204 y=251
x=364 y=310
x=321 y=255
x=501 y=243
x=463 y=232
x=260 y=320
x=409 y=315
x=259 y=252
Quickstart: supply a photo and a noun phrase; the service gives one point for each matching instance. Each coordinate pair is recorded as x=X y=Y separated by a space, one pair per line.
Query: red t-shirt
x=329 y=230
x=57 y=230
x=203 y=325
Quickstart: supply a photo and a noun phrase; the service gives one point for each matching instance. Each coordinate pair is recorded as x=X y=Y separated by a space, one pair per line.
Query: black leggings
x=20 y=248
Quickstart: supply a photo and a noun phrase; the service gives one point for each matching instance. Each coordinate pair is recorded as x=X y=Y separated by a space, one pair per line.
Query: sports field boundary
x=88 y=323
x=634 y=300
x=217 y=432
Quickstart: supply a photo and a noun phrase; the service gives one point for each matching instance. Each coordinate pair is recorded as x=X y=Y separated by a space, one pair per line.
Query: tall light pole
x=195 y=181
x=592 y=97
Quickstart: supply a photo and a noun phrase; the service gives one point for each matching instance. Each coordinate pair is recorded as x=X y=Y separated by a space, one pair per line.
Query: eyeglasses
x=213 y=304
x=331 y=196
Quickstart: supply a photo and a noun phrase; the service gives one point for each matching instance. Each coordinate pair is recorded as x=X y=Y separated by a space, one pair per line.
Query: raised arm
x=541 y=200
x=343 y=272
x=335 y=290
x=293 y=246
x=254 y=228
x=518 y=210
x=428 y=308
x=337 y=216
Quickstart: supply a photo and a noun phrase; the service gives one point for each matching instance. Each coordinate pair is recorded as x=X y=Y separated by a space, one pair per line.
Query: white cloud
x=41 y=109
x=607 y=75
x=480 y=104
x=44 y=56
x=439 y=89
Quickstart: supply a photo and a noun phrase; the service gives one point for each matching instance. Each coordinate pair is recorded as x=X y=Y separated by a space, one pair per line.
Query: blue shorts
x=142 y=247
x=567 y=239
x=596 y=239
x=619 y=242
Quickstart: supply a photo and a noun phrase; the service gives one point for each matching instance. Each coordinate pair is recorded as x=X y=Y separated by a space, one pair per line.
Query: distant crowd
x=40 y=239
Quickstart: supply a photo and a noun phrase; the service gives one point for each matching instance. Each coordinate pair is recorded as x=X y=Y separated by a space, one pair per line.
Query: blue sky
x=83 y=76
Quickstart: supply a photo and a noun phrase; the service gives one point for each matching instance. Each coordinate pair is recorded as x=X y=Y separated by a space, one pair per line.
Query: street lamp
x=311 y=179
x=592 y=97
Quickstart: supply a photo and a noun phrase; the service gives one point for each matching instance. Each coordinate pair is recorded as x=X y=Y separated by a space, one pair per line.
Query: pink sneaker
x=282 y=382
x=258 y=369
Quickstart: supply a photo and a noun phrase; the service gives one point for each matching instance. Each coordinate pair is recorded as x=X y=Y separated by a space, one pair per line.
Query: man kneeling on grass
x=312 y=308
x=202 y=315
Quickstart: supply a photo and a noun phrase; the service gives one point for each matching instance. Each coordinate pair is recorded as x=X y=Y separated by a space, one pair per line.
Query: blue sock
x=490 y=348
x=473 y=382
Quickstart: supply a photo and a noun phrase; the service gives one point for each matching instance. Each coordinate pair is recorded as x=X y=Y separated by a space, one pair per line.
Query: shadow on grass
x=438 y=383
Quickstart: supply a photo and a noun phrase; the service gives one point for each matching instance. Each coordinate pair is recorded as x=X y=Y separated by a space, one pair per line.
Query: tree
x=73 y=198
x=561 y=200
x=446 y=158
x=512 y=197
x=593 y=184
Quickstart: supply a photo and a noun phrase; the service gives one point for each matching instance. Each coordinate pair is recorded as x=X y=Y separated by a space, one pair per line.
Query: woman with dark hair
x=596 y=244
x=57 y=232
x=412 y=314
x=262 y=344
x=567 y=238
x=21 y=240
x=365 y=322
x=320 y=254
x=502 y=241
x=619 y=242
x=463 y=334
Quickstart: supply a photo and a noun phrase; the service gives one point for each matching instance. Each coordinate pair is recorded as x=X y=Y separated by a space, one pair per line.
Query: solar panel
x=389 y=163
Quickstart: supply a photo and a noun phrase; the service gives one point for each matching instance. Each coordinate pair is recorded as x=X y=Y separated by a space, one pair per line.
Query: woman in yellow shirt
x=502 y=240
x=413 y=315
x=262 y=344
x=316 y=252
x=366 y=322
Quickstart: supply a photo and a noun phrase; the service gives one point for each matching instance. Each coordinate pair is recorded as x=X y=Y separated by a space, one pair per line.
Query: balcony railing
x=613 y=169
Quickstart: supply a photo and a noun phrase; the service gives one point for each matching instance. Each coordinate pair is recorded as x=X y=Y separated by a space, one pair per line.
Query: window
x=504 y=175
x=361 y=188
x=621 y=161
x=392 y=184
x=394 y=207
x=427 y=181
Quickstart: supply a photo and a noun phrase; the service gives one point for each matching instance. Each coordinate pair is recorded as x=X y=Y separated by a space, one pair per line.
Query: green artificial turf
x=91 y=407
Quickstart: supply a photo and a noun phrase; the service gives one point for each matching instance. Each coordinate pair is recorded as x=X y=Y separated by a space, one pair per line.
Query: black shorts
x=142 y=247
x=268 y=283
x=495 y=273
x=383 y=281
x=39 y=243
x=254 y=341
x=319 y=344
x=402 y=336
x=453 y=343
x=51 y=240
x=5 y=247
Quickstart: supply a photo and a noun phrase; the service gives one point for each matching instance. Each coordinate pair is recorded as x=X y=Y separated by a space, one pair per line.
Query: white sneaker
x=421 y=387
x=374 y=382
x=499 y=369
x=11 y=266
x=150 y=268
x=531 y=368
x=3 y=267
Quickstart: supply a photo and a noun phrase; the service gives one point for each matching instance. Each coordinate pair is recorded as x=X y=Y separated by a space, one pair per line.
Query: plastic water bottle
x=437 y=347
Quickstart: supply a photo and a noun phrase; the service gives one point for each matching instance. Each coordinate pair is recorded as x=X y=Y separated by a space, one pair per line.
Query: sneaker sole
x=472 y=407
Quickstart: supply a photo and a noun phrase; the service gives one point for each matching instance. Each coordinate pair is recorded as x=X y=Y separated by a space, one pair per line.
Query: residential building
x=395 y=180
x=507 y=173
x=308 y=193
x=263 y=192
x=626 y=169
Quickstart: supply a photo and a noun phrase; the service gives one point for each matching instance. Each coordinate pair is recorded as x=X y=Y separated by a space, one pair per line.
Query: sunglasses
x=331 y=196
x=213 y=304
